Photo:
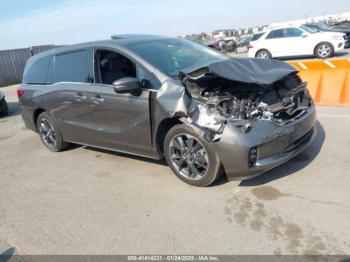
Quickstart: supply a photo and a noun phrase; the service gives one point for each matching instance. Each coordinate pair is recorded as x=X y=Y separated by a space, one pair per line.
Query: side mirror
x=126 y=85
x=304 y=35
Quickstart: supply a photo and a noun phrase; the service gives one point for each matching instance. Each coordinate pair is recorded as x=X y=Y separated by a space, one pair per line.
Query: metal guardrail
x=328 y=80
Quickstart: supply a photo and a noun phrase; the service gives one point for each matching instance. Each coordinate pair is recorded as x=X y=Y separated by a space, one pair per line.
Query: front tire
x=3 y=108
x=324 y=50
x=49 y=134
x=263 y=54
x=190 y=157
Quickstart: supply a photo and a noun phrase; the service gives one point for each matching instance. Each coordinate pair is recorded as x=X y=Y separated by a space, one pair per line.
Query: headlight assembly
x=336 y=37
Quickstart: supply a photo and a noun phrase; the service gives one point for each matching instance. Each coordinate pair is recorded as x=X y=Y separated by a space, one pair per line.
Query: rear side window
x=275 y=34
x=37 y=73
x=257 y=36
x=72 y=67
x=293 y=32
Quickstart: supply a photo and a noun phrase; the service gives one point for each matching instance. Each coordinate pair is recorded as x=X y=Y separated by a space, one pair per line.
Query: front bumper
x=340 y=45
x=347 y=43
x=275 y=144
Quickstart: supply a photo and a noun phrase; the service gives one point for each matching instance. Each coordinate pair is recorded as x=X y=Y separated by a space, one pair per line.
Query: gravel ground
x=88 y=201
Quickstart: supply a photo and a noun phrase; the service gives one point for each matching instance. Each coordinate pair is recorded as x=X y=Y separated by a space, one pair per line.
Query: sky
x=26 y=23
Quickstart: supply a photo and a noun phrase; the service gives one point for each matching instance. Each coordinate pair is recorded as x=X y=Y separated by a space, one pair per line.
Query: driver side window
x=293 y=32
x=111 y=66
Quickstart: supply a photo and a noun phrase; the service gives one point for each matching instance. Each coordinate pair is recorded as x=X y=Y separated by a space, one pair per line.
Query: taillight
x=250 y=46
x=20 y=92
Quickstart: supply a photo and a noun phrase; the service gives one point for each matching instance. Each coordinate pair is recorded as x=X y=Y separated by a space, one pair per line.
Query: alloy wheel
x=188 y=156
x=47 y=132
x=324 y=51
x=263 y=55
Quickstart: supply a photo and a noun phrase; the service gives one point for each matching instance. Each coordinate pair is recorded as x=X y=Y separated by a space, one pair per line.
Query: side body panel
x=295 y=46
x=274 y=45
x=33 y=99
x=122 y=120
x=68 y=104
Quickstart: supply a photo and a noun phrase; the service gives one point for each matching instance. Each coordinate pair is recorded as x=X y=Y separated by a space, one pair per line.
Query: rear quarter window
x=257 y=36
x=72 y=67
x=37 y=72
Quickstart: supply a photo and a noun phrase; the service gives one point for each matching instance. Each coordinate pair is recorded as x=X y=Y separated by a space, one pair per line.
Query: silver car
x=152 y=96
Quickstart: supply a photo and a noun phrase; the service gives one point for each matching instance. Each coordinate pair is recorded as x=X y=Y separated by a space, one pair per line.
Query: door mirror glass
x=126 y=85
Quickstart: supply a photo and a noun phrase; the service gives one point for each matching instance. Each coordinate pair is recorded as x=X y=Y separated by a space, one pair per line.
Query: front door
x=122 y=120
x=296 y=42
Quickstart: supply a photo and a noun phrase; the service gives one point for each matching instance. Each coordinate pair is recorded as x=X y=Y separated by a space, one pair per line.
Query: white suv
x=295 y=41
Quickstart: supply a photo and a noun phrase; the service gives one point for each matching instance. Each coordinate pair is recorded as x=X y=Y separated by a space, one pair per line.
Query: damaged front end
x=254 y=114
x=220 y=95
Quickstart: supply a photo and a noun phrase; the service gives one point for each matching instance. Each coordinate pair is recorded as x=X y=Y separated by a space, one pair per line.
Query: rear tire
x=49 y=133
x=190 y=157
x=263 y=54
x=3 y=108
x=324 y=50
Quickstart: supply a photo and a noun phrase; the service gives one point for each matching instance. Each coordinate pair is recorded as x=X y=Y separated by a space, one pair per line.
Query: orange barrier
x=328 y=80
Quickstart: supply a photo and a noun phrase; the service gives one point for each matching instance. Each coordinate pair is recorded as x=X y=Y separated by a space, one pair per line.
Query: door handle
x=96 y=99
x=80 y=97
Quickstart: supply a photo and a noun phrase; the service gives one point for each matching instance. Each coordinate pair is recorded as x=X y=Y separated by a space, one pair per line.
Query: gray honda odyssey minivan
x=152 y=96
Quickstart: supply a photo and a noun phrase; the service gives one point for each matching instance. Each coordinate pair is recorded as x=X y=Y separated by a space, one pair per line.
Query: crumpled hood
x=250 y=70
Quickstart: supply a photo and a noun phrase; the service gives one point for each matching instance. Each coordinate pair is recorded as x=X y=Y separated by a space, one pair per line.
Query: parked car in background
x=342 y=25
x=326 y=28
x=296 y=41
x=3 y=105
x=243 y=41
x=224 y=45
x=153 y=96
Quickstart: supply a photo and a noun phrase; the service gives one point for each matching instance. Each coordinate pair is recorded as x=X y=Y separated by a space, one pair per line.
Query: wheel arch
x=36 y=114
x=323 y=42
x=164 y=126
x=263 y=49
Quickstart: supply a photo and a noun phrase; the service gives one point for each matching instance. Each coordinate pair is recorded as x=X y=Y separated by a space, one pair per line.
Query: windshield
x=323 y=27
x=172 y=55
x=311 y=30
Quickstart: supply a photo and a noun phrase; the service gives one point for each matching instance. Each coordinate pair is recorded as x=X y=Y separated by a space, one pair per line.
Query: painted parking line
x=302 y=66
x=329 y=64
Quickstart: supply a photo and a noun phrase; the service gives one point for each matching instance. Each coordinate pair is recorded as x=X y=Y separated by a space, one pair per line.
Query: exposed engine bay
x=216 y=100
